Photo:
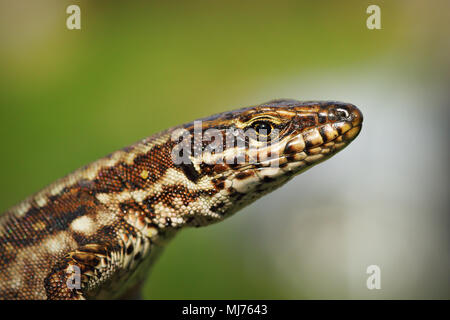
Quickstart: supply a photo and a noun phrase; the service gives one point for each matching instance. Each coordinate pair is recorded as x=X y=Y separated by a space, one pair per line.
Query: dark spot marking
x=244 y=174
x=189 y=171
x=137 y=256
x=216 y=208
x=308 y=144
x=219 y=168
x=130 y=249
x=290 y=158
x=323 y=134
x=234 y=165
x=220 y=185
x=322 y=118
x=207 y=169
x=268 y=179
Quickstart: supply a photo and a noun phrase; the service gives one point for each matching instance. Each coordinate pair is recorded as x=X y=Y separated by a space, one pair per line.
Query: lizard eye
x=262 y=127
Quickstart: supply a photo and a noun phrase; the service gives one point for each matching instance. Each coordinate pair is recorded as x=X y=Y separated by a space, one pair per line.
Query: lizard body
x=107 y=222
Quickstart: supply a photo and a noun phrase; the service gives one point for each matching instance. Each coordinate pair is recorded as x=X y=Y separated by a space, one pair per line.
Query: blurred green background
x=68 y=97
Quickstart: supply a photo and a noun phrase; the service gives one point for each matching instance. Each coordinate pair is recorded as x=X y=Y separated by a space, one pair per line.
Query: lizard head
x=249 y=152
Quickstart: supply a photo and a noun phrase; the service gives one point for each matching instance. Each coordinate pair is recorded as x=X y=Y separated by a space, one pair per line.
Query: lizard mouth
x=318 y=143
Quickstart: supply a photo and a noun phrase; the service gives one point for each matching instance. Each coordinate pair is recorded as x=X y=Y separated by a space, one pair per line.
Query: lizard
x=95 y=233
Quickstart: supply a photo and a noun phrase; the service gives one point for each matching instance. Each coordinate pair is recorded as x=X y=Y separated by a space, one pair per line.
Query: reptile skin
x=106 y=222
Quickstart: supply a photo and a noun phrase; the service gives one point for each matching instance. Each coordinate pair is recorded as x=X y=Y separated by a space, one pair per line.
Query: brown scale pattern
x=80 y=199
x=128 y=177
x=27 y=238
x=40 y=223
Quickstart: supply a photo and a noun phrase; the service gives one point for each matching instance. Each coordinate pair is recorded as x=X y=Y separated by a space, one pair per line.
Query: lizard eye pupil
x=262 y=127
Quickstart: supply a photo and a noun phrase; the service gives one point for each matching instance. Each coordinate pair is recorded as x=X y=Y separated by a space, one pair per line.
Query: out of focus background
x=68 y=97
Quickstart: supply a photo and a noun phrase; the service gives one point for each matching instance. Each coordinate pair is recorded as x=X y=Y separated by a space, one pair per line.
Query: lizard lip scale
x=341 y=126
x=95 y=233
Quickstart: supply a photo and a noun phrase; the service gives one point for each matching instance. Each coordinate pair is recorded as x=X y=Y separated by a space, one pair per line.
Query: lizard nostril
x=342 y=113
x=349 y=113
